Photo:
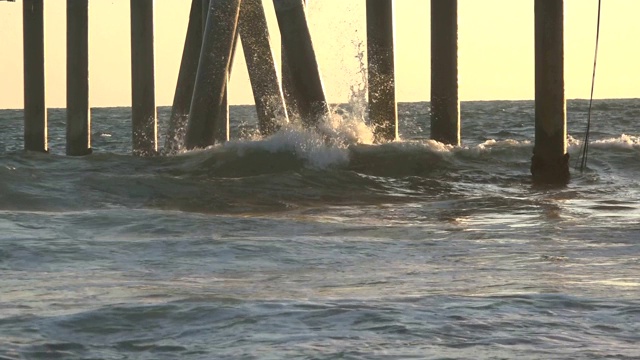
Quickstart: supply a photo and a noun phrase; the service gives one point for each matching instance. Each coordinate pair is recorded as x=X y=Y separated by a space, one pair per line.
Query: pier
x=200 y=105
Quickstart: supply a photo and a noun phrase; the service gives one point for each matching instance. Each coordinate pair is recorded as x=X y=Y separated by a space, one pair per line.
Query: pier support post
x=445 y=105
x=383 y=111
x=186 y=79
x=221 y=128
x=301 y=60
x=267 y=92
x=288 y=90
x=78 y=110
x=205 y=14
x=35 y=110
x=550 y=162
x=212 y=73
x=143 y=106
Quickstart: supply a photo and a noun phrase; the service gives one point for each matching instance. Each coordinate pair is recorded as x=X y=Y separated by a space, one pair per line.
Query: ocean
x=298 y=247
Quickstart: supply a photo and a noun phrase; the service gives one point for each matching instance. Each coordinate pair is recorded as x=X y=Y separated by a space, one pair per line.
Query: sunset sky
x=495 y=50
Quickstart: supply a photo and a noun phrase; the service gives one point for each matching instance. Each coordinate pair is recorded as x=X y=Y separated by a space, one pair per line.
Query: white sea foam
x=429 y=144
x=623 y=142
x=492 y=143
x=571 y=141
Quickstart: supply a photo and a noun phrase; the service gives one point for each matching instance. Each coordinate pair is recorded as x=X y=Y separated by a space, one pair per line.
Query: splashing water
x=358 y=98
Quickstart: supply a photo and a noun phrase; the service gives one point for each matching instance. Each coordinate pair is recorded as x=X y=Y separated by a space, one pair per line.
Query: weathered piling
x=35 y=110
x=288 y=89
x=221 y=128
x=212 y=72
x=550 y=162
x=144 y=120
x=186 y=79
x=445 y=105
x=383 y=111
x=78 y=110
x=205 y=14
x=267 y=92
x=301 y=60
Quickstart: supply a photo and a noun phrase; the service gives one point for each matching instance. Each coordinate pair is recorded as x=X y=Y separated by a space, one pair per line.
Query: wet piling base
x=549 y=169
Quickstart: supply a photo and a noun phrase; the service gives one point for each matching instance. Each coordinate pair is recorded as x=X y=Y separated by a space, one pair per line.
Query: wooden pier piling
x=186 y=79
x=445 y=104
x=267 y=93
x=78 y=110
x=221 y=128
x=143 y=106
x=288 y=89
x=550 y=162
x=205 y=14
x=383 y=111
x=35 y=110
x=301 y=60
x=212 y=73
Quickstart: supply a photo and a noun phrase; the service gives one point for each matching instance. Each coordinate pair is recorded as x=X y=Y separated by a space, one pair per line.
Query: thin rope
x=585 y=146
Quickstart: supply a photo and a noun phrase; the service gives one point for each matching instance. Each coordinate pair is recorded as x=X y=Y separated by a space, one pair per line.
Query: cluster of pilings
x=200 y=108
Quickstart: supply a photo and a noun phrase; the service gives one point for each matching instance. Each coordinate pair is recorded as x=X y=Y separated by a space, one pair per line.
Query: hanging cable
x=585 y=146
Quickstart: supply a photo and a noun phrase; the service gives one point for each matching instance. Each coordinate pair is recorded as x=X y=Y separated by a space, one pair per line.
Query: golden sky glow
x=495 y=50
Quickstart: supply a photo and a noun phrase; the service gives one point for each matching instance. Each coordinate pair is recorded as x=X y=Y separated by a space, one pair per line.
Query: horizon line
x=342 y=103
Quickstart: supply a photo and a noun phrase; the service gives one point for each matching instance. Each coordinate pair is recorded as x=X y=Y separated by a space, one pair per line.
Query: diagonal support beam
x=301 y=60
x=213 y=66
x=267 y=92
x=186 y=79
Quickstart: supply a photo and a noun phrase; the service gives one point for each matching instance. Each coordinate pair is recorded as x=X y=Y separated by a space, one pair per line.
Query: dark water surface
x=294 y=247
